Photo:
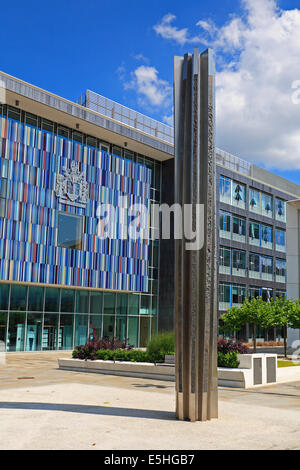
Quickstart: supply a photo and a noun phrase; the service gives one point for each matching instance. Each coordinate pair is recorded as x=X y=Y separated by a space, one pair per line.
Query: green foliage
x=132 y=355
x=228 y=360
x=160 y=345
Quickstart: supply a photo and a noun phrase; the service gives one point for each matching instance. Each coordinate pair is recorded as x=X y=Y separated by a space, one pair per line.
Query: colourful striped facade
x=31 y=158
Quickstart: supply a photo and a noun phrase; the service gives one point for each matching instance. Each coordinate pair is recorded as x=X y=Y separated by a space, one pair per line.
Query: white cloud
x=256 y=118
x=258 y=60
x=150 y=89
x=167 y=31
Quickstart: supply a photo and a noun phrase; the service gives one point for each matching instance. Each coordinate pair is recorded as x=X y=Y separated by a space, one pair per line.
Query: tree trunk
x=254 y=337
x=285 y=340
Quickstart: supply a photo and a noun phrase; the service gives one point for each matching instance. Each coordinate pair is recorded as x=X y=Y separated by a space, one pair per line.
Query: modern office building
x=59 y=280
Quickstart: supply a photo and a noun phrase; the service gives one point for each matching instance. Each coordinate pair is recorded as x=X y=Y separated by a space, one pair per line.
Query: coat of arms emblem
x=72 y=187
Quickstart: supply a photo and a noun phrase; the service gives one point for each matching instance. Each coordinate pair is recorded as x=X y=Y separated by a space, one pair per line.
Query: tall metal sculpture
x=195 y=271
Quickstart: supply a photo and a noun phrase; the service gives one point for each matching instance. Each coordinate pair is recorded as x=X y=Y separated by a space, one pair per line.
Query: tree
x=282 y=311
x=255 y=312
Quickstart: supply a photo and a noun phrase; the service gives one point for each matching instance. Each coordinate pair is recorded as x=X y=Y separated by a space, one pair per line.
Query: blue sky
x=124 y=50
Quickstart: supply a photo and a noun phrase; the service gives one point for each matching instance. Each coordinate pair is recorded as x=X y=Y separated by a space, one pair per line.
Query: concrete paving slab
x=68 y=410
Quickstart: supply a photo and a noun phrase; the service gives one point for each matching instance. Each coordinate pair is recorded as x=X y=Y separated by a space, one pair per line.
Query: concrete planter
x=244 y=377
x=122 y=368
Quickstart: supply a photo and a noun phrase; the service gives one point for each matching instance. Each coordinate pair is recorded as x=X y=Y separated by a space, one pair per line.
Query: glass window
x=266 y=265
x=238 y=195
x=63 y=131
x=18 y=297
x=4 y=294
x=36 y=299
x=82 y=301
x=133 y=326
x=52 y=300
x=31 y=119
x=239 y=259
x=96 y=325
x=267 y=205
x=238 y=294
x=66 y=329
x=34 y=332
x=109 y=304
x=95 y=302
x=121 y=328
x=47 y=125
x=225 y=256
x=254 y=233
x=254 y=263
x=225 y=225
x=266 y=236
x=116 y=151
x=253 y=292
x=144 y=331
x=224 y=292
x=13 y=113
x=133 y=304
x=3 y=330
x=238 y=229
x=50 y=332
x=280 y=270
x=69 y=231
x=16 y=331
x=145 y=308
x=266 y=294
x=81 y=329
x=91 y=141
x=280 y=210
x=225 y=189
x=254 y=200
x=121 y=304
x=154 y=304
x=280 y=240
x=67 y=300
x=108 y=326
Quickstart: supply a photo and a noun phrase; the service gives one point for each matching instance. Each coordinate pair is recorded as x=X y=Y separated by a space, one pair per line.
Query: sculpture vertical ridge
x=195 y=271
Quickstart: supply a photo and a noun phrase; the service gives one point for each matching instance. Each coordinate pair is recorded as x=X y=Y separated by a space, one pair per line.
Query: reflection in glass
x=81 y=329
x=133 y=325
x=16 y=331
x=34 y=331
x=121 y=328
x=133 y=304
x=144 y=331
x=121 y=304
x=52 y=297
x=96 y=325
x=4 y=293
x=3 y=329
x=95 y=302
x=66 y=328
x=109 y=304
x=67 y=300
x=50 y=332
x=82 y=301
x=18 y=298
x=36 y=299
x=108 y=326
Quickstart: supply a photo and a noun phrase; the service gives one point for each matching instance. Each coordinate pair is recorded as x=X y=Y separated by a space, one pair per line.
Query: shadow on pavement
x=90 y=409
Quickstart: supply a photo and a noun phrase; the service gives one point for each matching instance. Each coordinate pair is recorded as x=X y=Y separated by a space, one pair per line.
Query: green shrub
x=229 y=360
x=160 y=345
x=123 y=355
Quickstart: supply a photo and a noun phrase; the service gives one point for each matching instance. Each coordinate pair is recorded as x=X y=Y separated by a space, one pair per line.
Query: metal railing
x=128 y=116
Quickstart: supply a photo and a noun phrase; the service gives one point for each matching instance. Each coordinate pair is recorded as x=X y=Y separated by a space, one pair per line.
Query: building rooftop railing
x=118 y=112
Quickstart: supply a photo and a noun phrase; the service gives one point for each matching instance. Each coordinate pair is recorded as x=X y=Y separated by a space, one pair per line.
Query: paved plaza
x=42 y=407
